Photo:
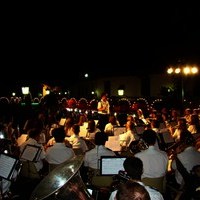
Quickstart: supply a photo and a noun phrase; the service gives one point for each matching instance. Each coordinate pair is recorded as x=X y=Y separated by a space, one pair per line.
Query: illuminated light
x=177 y=70
x=194 y=70
x=170 y=70
x=186 y=70
x=25 y=90
x=120 y=92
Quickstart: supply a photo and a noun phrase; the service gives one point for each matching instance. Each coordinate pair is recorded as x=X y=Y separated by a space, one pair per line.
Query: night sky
x=100 y=40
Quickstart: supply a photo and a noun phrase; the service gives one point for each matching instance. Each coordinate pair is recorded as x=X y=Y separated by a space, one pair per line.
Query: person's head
x=76 y=129
x=91 y=126
x=104 y=96
x=58 y=134
x=129 y=125
x=34 y=133
x=100 y=138
x=133 y=167
x=182 y=123
x=132 y=191
x=149 y=136
x=113 y=120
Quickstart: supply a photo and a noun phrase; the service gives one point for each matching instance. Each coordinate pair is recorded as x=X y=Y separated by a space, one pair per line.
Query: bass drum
x=64 y=182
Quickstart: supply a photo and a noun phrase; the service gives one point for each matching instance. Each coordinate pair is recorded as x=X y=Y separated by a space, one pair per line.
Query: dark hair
x=34 y=132
x=76 y=129
x=100 y=138
x=149 y=136
x=58 y=134
x=132 y=191
x=104 y=94
x=133 y=167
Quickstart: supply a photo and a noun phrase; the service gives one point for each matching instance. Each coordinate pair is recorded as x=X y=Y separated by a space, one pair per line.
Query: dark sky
x=100 y=40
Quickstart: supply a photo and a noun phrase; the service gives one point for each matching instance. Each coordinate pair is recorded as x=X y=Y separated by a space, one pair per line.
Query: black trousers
x=103 y=120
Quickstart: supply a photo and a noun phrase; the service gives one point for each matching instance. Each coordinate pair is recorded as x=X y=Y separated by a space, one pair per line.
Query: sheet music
x=7 y=163
x=113 y=143
x=112 y=165
x=83 y=131
x=30 y=152
x=62 y=121
x=167 y=136
x=119 y=130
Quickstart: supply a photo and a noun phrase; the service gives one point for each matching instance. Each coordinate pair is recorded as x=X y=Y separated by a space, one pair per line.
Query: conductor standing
x=103 y=108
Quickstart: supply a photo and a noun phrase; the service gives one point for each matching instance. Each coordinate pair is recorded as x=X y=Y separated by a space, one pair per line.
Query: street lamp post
x=183 y=71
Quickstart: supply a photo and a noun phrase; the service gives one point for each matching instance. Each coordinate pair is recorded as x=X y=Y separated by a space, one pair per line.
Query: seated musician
x=92 y=157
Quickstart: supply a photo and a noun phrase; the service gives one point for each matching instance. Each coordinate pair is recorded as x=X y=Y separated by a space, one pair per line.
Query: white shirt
x=189 y=158
x=77 y=142
x=93 y=156
x=154 y=194
x=155 y=162
x=126 y=138
x=109 y=128
x=39 y=163
x=104 y=104
x=59 y=153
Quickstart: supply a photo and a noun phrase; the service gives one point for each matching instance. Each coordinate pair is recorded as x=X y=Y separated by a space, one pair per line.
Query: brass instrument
x=138 y=145
x=63 y=182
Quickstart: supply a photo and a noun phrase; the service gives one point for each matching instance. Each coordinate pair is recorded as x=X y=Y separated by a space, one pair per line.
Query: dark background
x=60 y=44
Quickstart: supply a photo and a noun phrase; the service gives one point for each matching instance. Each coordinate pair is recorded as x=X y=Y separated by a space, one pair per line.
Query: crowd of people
x=61 y=135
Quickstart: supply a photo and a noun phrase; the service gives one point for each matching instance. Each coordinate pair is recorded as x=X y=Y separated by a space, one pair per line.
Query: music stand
x=31 y=153
x=8 y=164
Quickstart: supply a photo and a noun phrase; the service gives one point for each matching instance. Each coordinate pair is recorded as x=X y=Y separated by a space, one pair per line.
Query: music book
x=113 y=143
x=31 y=153
x=119 y=130
x=8 y=164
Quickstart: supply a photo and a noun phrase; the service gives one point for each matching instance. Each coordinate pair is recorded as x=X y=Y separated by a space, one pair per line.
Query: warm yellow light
x=170 y=70
x=186 y=70
x=177 y=70
x=194 y=70
x=120 y=92
x=183 y=70
x=25 y=90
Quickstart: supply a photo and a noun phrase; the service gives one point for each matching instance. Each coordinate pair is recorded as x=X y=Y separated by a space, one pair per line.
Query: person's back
x=133 y=169
x=189 y=156
x=59 y=152
x=76 y=141
x=33 y=138
x=155 y=161
x=92 y=156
